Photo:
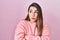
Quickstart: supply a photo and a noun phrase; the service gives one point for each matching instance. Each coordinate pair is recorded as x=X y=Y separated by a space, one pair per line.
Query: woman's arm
x=45 y=34
x=20 y=31
x=32 y=37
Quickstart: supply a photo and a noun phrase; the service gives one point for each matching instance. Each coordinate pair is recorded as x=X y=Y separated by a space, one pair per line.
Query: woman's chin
x=32 y=20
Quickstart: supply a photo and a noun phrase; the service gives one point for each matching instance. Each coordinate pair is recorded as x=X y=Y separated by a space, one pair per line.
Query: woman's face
x=33 y=13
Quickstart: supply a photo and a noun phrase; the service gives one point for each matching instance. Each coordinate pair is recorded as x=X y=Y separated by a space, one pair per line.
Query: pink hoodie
x=26 y=30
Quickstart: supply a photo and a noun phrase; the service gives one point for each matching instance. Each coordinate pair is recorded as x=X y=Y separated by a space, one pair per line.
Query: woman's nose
x=33 y=14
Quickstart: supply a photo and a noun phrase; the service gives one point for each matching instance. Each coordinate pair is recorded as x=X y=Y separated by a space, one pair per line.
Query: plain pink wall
x=11 y=11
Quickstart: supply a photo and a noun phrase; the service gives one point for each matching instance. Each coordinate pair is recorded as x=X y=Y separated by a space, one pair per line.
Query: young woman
x=32 y=27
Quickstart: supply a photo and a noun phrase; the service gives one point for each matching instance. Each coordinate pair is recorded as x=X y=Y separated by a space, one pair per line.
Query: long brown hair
x=39 y=20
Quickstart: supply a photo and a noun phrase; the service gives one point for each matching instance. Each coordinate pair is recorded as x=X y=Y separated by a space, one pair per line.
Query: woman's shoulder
x=23 y=21
x=45 y=26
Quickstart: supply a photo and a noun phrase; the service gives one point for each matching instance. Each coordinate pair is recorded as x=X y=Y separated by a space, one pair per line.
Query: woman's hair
x=39 y=20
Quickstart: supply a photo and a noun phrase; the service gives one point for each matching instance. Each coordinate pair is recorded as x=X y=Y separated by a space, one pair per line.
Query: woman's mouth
x=33 y=18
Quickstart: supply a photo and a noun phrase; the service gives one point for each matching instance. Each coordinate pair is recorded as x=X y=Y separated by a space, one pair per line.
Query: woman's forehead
x=33 y=8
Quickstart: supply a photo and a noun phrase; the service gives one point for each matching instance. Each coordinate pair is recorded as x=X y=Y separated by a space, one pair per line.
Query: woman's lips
x=33 y=18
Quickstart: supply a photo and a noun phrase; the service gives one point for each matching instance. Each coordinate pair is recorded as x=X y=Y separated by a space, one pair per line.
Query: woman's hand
x=31 y=37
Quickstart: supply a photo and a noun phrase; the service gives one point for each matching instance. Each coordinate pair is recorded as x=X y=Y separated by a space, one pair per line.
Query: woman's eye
x=35 y=12
x=30 y=11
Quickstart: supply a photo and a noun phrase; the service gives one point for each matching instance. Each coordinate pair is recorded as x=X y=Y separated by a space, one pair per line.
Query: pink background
x=11 y=11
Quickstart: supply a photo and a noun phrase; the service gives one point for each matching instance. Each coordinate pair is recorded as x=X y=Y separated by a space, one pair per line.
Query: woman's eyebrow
x=30 y=9
x=36 y=10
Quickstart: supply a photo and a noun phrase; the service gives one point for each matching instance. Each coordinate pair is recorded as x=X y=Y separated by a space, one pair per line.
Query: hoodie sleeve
x=45 y=34
x=20 y=31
